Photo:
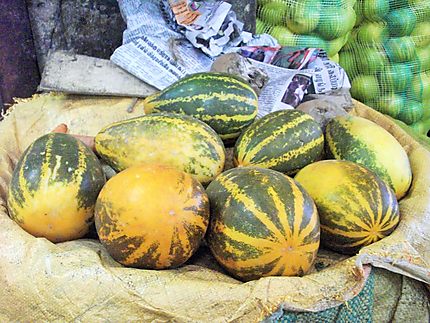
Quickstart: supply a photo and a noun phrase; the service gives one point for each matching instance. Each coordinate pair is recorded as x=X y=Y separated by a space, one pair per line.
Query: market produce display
x=364 y=142
x=153 y=212
x=104 y=288
x=196 y=204
x=387 y=58
x=262 y=224
x=355 y=207
x=54 y=188
x=225 y=102
x=285 y=141
x=310 y=23
x=152 y=216
x=177 y=140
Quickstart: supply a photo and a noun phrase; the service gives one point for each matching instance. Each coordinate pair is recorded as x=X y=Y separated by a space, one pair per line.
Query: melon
x=262 y=224
x=365 y=142
x=152 y=216
x=285 y=140
x=54 y=187
x=356 y=208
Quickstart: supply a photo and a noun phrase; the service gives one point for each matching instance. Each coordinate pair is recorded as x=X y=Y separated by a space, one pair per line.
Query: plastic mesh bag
x=322 y=24
x=387 y=58
x=383 y=45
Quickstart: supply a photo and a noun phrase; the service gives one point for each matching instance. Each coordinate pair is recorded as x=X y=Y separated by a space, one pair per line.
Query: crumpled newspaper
x=210 y=26
x=293 y=72
x=168 y=39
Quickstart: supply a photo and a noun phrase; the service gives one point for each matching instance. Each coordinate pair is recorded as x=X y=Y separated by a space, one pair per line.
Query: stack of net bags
x=307 y=23
x=384 y=46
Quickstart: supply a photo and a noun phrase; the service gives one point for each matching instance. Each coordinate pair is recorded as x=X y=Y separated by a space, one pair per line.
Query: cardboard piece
x=80 y=74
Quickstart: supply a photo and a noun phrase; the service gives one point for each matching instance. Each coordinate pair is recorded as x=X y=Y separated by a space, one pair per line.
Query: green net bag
x=308 y=23
x=387 y=58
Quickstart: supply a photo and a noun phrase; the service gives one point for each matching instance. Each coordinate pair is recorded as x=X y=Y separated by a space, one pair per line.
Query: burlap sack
x=78 y=281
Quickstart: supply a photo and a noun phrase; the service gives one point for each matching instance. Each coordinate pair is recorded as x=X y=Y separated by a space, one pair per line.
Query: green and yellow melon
x=225 y=102
x=54 y=188
x=262 y=224
x=152 y=216
x=364 y=142
x=175 y=140
x=285 y=141
x=356 y=208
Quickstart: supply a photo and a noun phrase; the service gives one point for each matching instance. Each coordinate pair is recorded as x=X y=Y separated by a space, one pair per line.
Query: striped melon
x=152 y=216
x=54 y=188
x=285 y=141
x=356 y=208
x=364 y=142
x=262 y=224
x=225 y=102
x=177 y=140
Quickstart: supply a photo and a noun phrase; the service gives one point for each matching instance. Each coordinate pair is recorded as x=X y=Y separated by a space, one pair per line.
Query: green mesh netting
x=383 y=45
x=359 y=309
x=387 y=57
x=307 y=23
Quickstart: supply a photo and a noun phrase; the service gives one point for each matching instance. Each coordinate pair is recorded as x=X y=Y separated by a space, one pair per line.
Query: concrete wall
x=19 y=74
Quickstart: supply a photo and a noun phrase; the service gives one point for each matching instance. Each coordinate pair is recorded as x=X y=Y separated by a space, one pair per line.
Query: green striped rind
x=175 y=140
x=226 y=103
x=184 y=241
x=142 y=248
x=343 y=145
x=262 y=224
x=354 y=211
x=51 y=159
x=285 y=141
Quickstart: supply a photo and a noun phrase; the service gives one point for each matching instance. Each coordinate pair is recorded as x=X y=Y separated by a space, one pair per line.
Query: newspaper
x=151 y=50
x=210 y=26
x=293 y=72
x=166 y=40
x=284 y=90
x=328 y=76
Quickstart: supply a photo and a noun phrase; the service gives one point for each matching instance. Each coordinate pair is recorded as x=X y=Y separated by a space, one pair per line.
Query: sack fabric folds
x=79 y=281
